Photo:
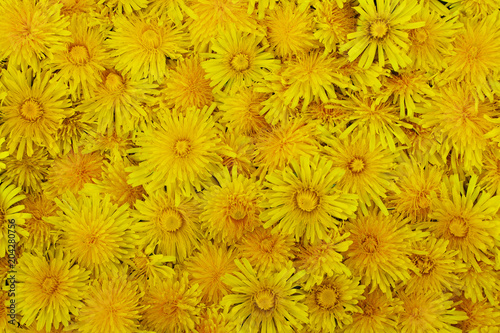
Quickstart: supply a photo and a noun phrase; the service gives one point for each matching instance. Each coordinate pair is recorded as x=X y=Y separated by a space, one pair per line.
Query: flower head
x=40 y=231
x=11 y=209
x=149 y=269
x=334 y=23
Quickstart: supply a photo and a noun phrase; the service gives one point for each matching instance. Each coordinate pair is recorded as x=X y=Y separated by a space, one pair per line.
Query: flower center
x=424 y=264
x=327 y=298
x=182 y=148
x=267 y=245
x=458 y=227
x=378 y=29
x=240 y=62
x=420 y=35
x=31 y=110
x=356 y=165
x=307 y=200
x=423 y=201
x=91 y=239
x=79 y=54
x=238 y=213
x=265 y=300
x=169 y=220
x=151 y=39
x=50 y=285
x=113 y=82
x=370 y=244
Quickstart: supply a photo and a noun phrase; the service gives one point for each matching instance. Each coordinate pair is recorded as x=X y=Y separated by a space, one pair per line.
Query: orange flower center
x=169 y=220
x=31 y=110
x=113 y=82
x=79 y=54
x=307 y=200
x=151 y=39
x=327 y=298
x=265 y=300
x=379 y=29
x=370 y=244
x=356 y=165
x=240 y=62
x=50 y=285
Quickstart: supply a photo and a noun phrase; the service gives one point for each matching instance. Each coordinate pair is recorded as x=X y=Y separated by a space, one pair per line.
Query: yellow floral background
x=214 y=166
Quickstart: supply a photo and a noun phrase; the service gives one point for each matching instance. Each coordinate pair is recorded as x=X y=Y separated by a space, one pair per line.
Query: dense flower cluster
x=274 y=166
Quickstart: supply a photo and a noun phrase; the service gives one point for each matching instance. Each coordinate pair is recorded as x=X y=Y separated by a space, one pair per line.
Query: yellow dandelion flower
x=41 y=235
x=379 y=314
x=362 y=78
x=241 y=111
x=4 y=311
x=76 y=7
x=284 y=143
x=140 y=46
x=474 y=8
x=433 y=41
x=266 y=251
x=213 y=320
x=322 y=260
x=70 y=133
x=169 y=228
x=334 y=23
x=333 y=116
x=380 y=250
x=11 y=209
x=50 y=289
x=368 y=169
x=424 y=144
x=237 y=61
x=207 y=267
x=237 y=152
x=268 y=302
x=332 y=303
x=109 y=145
x=111 y=305
x=460 y=123
x=408 y=87
x=303 y=200
x=117 y=104
x=187 y=86
x=490 y=177
x=33 y=110
x=482 y=317
x=94 y=232
x=125 y=6
x=310 y=75
x=231 y=207
x=215 y=17
x=3 y=155
x=476 y=53
x=149 y=269
x=481 y=285
x=71 y=172
x=290 y=29
x=467 y=217
x=176 y=10
x=180 y=153
x=28 y=172
x=418 y=183
x=438 y=269
x=381 y=31
x=429 y=312
x=375 y=119
x=172 y=306
x=32 y=30
x=114 y=182
x=81 y=62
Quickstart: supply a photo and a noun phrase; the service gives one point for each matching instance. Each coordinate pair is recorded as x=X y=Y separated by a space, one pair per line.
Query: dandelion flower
x=207 y=267
x=187 y=86
x=180 y=153
x=125 y=6
x=302 y=200
x=313 y=74
x=429 y=312
x=28 y=172
x=290 y=30
x=332 y=303
x=118 y=103
x=268 y=302
x=76 y=7
x=474 y=8
x=172 y=306
x=33 y=110
x=214 y=320
x=481 y=317
x=380 y=250
x=109 y=145
x=94 y=232
x=460 y=123
x=111 y=305
x=4 y=318
x=333 y=116
x=50 y=290
x=490 y=177
x=379 y=314
x=368 y=169
x=168 y=228
x=467 y=217
x=32 y=30
x=71 y=172
x=381 y=31
x=237 y=152
x=481 y=285
x=141 y=46
x=237 y=61
x=476 y=53
x=40 y=231
x=438 y=268
x=334 y=23
x=322 y=260
x=284 y=143
x=3 y=155
x=241 y=111
x=176 y=10
x=70 y=135
x=149 y=269
x=231 y=208
x=83 y=59
x=11 y=209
